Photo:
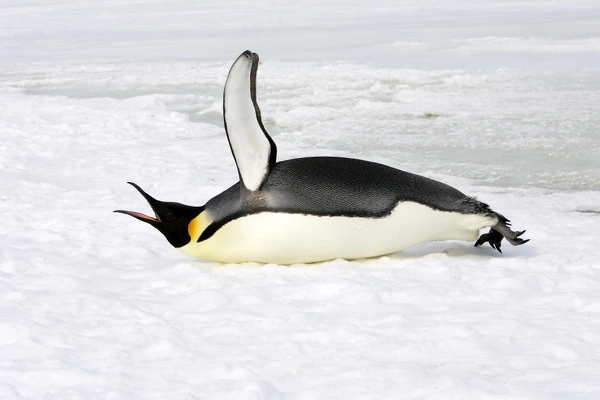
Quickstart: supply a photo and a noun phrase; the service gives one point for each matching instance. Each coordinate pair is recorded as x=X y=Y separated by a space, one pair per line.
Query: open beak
x=154 y=221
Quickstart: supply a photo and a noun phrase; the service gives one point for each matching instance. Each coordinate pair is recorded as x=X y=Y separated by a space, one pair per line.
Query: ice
x=499 y=99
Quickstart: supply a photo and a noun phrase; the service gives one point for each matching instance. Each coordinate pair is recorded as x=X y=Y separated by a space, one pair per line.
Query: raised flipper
x=253 y=149
x=500 y=231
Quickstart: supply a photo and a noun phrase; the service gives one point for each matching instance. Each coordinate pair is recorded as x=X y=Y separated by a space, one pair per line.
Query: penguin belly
x=288 y=238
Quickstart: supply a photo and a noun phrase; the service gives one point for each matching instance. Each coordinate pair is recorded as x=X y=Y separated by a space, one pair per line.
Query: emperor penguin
x=316 y=208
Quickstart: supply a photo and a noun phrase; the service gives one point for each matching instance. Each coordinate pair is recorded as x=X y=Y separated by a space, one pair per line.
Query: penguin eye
x=170 y=216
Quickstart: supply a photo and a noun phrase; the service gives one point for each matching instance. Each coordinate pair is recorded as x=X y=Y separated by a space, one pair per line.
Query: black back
x=335 y=186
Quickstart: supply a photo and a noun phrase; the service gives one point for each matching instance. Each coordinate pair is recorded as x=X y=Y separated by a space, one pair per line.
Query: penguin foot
x=516 y=240
x=493 y=237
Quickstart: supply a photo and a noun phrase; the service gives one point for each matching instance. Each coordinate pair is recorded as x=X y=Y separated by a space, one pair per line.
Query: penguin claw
x=517 y=241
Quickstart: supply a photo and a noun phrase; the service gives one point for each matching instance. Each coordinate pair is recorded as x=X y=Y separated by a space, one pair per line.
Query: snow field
x=96 y=305
x=499 y=99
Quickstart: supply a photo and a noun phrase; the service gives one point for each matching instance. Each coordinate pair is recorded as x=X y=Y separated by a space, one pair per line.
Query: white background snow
x=500 y=99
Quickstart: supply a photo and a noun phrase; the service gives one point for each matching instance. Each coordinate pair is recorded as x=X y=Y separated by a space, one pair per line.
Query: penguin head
x=171 y=219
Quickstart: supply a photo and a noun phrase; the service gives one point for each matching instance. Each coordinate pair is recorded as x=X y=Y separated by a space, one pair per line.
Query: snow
x=497 y=99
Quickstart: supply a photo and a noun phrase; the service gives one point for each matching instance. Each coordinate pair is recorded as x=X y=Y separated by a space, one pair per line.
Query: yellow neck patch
x=198 y=225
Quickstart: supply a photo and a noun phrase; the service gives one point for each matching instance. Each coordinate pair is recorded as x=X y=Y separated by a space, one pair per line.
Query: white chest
x=282 y=238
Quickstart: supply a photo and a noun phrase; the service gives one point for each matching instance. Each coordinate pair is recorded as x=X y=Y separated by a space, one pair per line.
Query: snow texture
x=499 y=99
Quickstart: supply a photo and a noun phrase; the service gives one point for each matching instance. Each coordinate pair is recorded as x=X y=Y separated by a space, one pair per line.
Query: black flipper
x=253 y=149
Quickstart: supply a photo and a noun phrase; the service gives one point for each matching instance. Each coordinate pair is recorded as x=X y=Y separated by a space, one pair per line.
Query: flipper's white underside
x=251 y=148
x=296 y=238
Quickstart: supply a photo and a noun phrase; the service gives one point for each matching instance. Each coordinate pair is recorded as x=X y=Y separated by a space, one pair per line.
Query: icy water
x=499 y=99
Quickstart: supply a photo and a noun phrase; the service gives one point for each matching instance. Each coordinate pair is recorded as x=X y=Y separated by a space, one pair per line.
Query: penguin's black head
x=172 y=219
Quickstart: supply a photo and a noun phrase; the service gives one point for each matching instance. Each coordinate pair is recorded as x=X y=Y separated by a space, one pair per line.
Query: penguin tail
x=500 y=231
